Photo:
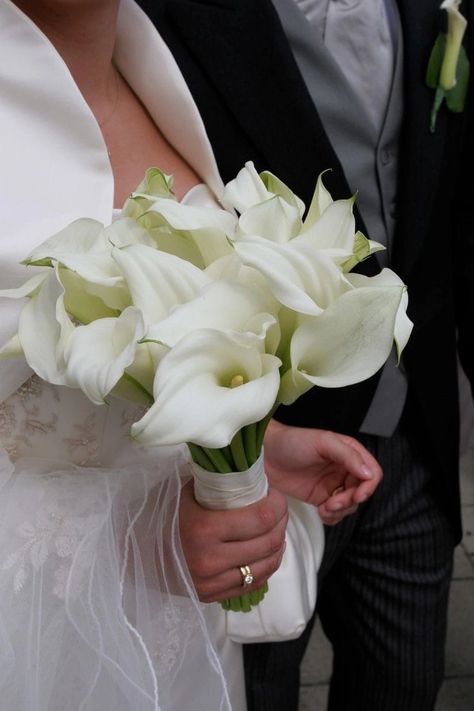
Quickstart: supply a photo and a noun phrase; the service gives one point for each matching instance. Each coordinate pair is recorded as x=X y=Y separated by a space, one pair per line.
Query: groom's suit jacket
x=238 y=64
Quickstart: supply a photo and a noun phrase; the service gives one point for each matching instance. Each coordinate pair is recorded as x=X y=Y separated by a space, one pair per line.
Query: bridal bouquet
x=210 y=317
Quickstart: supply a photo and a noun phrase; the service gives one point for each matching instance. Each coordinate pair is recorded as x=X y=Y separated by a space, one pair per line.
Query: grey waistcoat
x=369 y=162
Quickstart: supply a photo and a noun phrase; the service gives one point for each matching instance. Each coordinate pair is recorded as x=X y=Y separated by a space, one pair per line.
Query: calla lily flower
x=456 y=29
x=224 y=306
x=195 y=397
x=85 y=247
x=195 y=233
x=351 y=340
x=301 y=278
x=250 y=188
x=157 y=281
x=44 y=329
x=97 y=354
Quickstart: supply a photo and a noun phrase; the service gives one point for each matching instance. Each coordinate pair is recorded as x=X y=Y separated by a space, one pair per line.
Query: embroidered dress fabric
x=96 y=609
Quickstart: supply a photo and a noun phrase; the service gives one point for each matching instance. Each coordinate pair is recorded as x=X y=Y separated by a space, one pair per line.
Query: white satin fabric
x=96 y=607
x=291 y=597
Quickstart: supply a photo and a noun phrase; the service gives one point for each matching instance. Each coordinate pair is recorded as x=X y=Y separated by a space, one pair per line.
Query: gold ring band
x=247 y=577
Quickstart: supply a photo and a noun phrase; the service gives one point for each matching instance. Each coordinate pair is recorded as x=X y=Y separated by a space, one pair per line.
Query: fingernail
x=366 y=472
x=337 y=506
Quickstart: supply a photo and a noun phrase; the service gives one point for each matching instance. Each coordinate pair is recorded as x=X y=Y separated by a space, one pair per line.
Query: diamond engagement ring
x=247 y=577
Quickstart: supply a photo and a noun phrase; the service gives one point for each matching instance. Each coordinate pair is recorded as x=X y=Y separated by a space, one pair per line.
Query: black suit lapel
x=240 y=50
x=232 y=51
x=422 y=152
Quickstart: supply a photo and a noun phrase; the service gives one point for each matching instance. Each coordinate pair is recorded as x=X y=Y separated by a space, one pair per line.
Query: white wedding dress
x=97 y=612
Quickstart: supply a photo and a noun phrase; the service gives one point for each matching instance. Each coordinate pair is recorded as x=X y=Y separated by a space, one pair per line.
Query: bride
x=100 y=597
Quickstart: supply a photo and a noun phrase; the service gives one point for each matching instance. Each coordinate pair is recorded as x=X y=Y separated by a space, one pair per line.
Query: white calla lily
x=83 y=305
x=347 y=343
x=125 y=232
x=301 y=278
x=197 y=234
x=457 y=24
x=321 y=200
x=187 y=218
x=245 y=190
x=85 y=247
x=195 y=400
x=223 y=306
x=274 y=219
x=250 y=188
x=334 y=231
x=44 y=329
x=83 y=236
x=388 y=278
x=158 y=281
x=98 y=354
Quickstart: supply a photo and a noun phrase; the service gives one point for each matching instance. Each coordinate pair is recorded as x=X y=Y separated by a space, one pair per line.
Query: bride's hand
x=334 y=472
x=217 y=543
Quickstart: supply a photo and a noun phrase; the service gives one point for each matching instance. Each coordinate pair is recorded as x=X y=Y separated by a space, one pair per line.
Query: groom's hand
x=334 y=472
x=217 y=543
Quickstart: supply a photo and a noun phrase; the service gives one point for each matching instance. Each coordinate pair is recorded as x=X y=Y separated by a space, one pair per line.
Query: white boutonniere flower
x=448 y=66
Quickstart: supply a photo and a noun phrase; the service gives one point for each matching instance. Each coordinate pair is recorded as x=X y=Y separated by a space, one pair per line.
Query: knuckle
x=266 y=514
x=276 y=540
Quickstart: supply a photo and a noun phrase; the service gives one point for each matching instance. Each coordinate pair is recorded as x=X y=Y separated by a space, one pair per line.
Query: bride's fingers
x=230 y=583
x=230 y=554
x=218 y=542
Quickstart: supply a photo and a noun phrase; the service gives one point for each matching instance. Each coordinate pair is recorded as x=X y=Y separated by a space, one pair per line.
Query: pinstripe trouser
x=382 y=601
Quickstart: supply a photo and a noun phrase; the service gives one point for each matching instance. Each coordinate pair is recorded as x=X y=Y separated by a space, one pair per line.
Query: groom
x=296 y=87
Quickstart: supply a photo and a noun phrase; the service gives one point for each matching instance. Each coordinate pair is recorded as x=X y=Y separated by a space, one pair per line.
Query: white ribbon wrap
x=291 y=598
x=230 y=491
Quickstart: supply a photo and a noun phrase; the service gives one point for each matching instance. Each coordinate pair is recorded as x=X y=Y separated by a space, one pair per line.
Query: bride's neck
x=83 y=32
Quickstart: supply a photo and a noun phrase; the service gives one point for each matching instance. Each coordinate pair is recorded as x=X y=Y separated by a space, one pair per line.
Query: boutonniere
x=448 y=66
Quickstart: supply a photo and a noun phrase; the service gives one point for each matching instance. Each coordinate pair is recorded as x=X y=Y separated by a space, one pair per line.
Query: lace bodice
x=48 y=422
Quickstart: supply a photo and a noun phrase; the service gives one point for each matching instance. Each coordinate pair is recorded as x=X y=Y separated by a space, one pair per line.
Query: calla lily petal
x=333 y=231
x=303 y=279
x=277 y=187
x=321 y=200
x=26 y=289
x=185 y=217
x=83 y=236
x=457 y=24
x=274 y=219
x=158 y=281
x=221 y=305
x=98 y=354
x=346 y=344
x=247 y=189
x=194 y=400
x=44 y=329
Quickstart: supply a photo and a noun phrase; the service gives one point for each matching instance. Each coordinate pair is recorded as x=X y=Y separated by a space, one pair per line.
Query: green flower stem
x=249 y=434
x=218 y=460
x=130 y=379
x=262 y=427
x=200 y=457
x=238 y=452
x=239 y=456
x=438 y=100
